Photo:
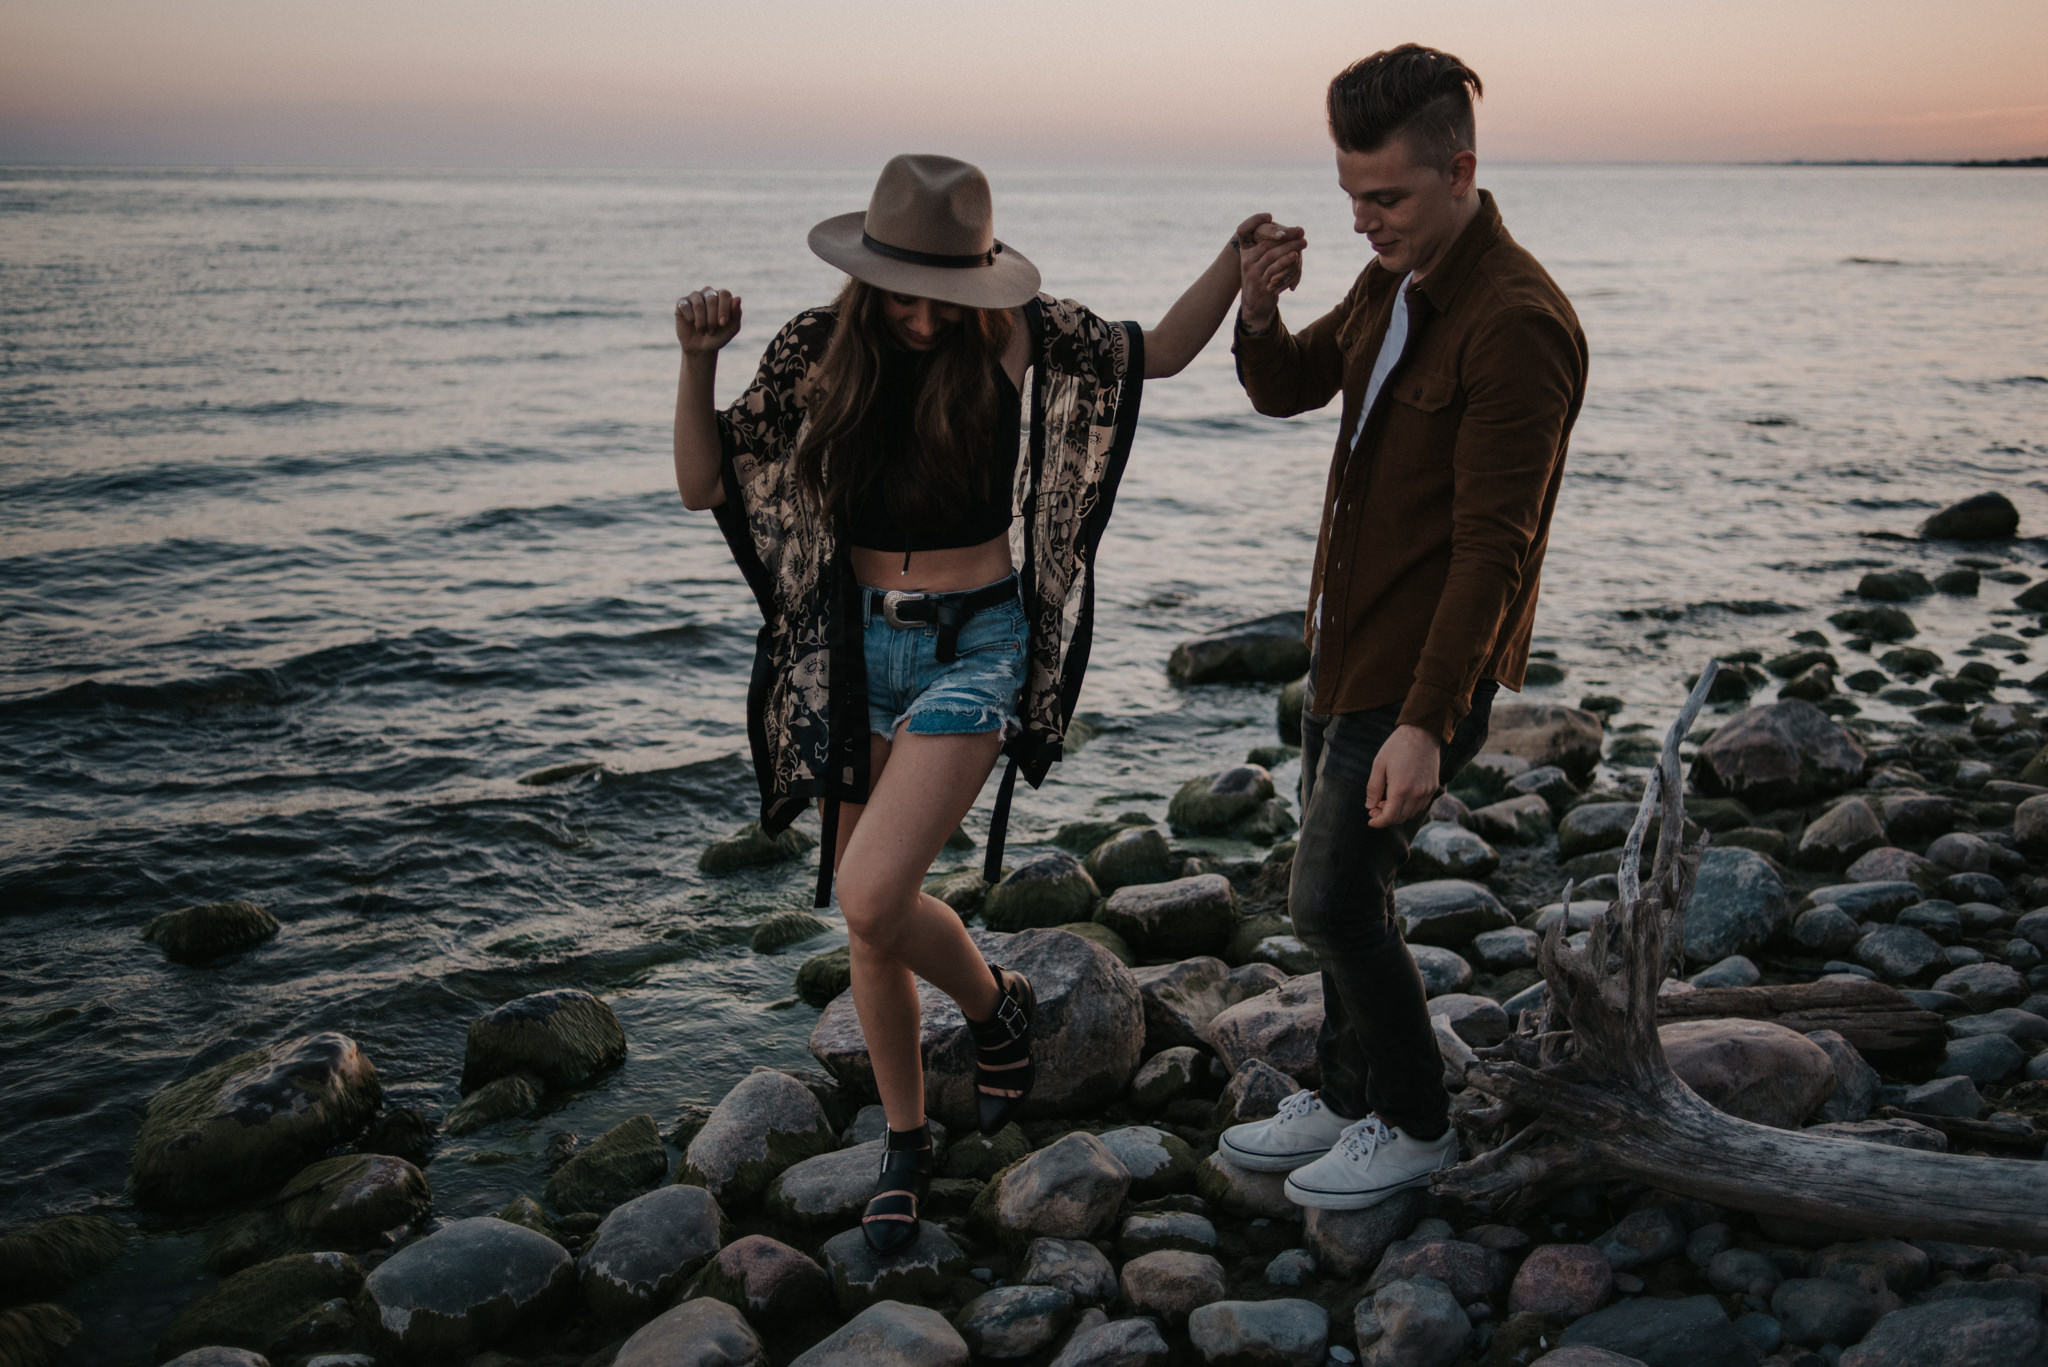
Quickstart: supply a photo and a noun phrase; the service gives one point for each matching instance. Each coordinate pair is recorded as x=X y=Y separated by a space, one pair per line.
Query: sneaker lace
x=1298 y=1105
x=1361 y=1140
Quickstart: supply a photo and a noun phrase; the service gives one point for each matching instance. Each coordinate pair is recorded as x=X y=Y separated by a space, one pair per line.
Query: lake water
x=333 y=503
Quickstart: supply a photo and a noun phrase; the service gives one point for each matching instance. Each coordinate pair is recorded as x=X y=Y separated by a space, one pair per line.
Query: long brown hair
x=956 y=411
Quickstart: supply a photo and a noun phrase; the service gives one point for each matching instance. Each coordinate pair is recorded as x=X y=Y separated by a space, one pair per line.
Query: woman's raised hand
x=706 y=320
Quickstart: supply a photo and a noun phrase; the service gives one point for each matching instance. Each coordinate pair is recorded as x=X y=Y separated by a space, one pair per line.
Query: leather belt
x=903 y=608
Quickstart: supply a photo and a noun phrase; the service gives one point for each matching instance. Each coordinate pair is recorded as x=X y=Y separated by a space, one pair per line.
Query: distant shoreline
x=2030 y=162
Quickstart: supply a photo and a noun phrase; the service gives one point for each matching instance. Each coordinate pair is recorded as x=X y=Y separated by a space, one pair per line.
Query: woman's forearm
x=1193 y=319
x=696 y=433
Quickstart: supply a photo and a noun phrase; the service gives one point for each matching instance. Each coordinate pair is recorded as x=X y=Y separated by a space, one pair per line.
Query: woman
x=868 y=482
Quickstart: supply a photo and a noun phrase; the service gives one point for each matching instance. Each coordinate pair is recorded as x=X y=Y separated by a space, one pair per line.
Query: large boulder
x=1175 y=919
x=827 y=1191
x=193 y=935
x=241 y=1127
x=253 y=1308
x=1086 y=1043
x=764 y=1124
x=1070 y=1189
x=1738 y=904
x=1981 y=517
x=626 y=1160
x=1448 y=912
x=698 y=1333
x=1756 y=1070
x=564 y=1038
x=1779 y=755
x=348 y=1202
x=889 y=1334
x=464 y=1287
x=1547 y=733
x=1278 y=1027
x=645 y=1250
x=1263 y=650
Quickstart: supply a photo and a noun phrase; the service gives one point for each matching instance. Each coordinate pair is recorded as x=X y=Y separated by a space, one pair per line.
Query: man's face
x=1409 y=213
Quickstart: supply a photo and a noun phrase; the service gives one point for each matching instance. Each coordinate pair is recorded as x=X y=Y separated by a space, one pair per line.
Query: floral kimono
x=807 y=702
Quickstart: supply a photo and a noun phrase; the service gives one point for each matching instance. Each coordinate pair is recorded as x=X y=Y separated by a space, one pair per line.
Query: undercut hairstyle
x=1410 y=92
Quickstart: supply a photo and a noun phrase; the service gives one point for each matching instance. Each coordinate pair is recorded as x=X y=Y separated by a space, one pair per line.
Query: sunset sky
x=804 y=82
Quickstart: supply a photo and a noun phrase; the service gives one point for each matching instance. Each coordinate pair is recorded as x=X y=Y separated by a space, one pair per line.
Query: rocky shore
x=1864 y=956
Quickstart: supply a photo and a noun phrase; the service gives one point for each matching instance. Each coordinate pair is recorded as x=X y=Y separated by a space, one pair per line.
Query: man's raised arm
x=1284 y=372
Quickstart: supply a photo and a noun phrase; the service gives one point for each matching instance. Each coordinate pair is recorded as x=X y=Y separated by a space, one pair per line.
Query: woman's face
x=920 y=324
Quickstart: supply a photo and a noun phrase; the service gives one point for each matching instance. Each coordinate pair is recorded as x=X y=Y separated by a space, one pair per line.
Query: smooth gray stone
x=861 y=1277
x=464 y=1287
x=1502 y=950
x=1876 y=1265
x=1279 y=1027
x=1738 y=904
x=1743 y=1272
x=1117 y=1343
x=1479 y=1021
x=1825 y=929
x=889 y=1334
x=1273 y=1333
x=1471 y=1271
x=1817 y=1310
x=1014 y=1321
x=767 y=1121
x=1349 y=1243
x=1171 y=1284
x=1448 y=912
x=1985 y=986
x=1898 y=952
x=645 y=1249
x=1073 y=1265
x=564 y=1037
x=1290 y=1267
x=1981 y=1058
x=1955 y=1333
x=1153 y=1231
x=1158 y=1162
x=827 y=1190
x=1183 y=917
x=2015 y=1023
x=1856 y=1082
x=697 y=1333
x=1736 y=970
x=1879 y=901
x=1687 y=1332
x=1070 y=1189
x=1442 y=970
x=1444 y=849
x=1168 y=1076
x=1642 y=1237
x=1956 y=1096
x=1414 y=1322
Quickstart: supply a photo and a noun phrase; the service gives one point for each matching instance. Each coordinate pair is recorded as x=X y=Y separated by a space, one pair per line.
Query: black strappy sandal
x=890 y=1222
x=1002 y=1051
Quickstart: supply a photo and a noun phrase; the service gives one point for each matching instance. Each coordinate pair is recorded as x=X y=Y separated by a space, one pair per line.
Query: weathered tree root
x=1585 y=1092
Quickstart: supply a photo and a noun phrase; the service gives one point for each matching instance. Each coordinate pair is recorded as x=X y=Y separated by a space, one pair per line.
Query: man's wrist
x=1245 y=328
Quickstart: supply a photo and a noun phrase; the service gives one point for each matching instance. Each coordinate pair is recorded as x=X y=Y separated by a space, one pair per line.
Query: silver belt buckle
x=896 y=598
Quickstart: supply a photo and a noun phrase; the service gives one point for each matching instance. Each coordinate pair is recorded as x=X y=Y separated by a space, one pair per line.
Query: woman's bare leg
x=921 y=788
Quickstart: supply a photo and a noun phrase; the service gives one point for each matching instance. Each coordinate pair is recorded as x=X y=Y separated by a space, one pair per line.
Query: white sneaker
x=1303 y=1130
x=1370 y=1162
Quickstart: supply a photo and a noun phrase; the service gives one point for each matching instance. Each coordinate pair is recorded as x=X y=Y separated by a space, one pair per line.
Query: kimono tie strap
x=828 y=844
x=998 y=823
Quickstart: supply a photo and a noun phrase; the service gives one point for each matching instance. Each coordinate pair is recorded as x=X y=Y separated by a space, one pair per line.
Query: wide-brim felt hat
x=929 y=230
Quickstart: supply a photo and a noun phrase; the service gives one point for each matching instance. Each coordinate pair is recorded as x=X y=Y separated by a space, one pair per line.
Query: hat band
x=916 y=258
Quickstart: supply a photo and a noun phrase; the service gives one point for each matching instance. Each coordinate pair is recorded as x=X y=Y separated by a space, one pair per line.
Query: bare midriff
x=944 y=571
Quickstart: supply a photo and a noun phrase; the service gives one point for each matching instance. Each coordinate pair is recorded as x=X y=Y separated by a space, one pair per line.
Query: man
x=1461 y=367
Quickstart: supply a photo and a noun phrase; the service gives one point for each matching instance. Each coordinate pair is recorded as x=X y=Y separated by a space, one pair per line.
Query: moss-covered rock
x=787 y=928
x=254 y=1307
x=825 y=976
x=625 y=1161
x=50 y=1257
x=33 y=1335
x=194 y=935
x=501 y=1099
x=748 y=848
x=349 y=1201
x=564 y=1038
x=1133 y=854
x=1050 y=890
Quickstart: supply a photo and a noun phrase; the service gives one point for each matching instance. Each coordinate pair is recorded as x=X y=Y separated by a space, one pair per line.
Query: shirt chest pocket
x=1426 y=392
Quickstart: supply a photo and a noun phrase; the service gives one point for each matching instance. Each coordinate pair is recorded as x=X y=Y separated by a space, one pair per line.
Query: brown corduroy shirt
x=1435 y=523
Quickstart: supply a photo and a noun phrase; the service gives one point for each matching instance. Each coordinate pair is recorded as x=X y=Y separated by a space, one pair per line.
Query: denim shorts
x=977 y=692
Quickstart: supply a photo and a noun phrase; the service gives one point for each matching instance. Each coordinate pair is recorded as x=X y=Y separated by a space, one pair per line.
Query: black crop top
x=888 y=515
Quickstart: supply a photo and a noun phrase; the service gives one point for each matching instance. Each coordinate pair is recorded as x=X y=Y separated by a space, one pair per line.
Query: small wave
x=1872 y=261
x=1771 y=420
x=236 y=688
x=2023 y=379
x=1880 y=505
x=518 y=318
x=1219 y=426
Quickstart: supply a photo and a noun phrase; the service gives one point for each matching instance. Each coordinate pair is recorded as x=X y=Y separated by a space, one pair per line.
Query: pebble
x=1642 y=1237
x=1981 y=1058
x=1954 y=1096
x=1443 y=970
x=1898 y=952
x=1984 y=986
x=1444 y=849
x=1736 y=970
x=1743 y=1271
x=1158 y=1162
x=1817 y=1310
x=1448 y=912
x=1148 y=1233
x=1501 y=951
x=1856 y=1082
x=1290 y=1267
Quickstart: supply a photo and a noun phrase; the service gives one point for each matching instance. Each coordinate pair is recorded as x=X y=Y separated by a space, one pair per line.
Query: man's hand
x=1404 y=776
x=1269 y=264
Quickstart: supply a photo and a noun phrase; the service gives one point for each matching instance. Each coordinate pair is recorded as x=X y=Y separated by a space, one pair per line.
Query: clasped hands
x=1269 y=262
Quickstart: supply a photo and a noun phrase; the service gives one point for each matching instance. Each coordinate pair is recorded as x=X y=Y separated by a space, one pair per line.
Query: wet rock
x=698 y=1333
x=1982 y=1059
x=1778 y=755
x=1743 y=1272
x=1952 y=1333
x=1069 y=1189
x=1187 y=916
x=1442 y=849
x=1643 y=1237
x=917 y=1273
x=1166 y=1077
x=786 y=928
x=1738 y=904
x=1984 y=986
x=1816 y=1310
x=209 y=1356
x=1216 y=804
x=763 y=1125
x=1956 y=1096
x=1878 y=623
x=1171 y=1284
x=1472 y=1272
x=2030 y=827
x=1734 y=971
x=48 y=1258
x=1086 y=1041
x=1158 y=1162
x=1847 y=830
x=1523 y=820
x=253 y=1308
x=1893 y=586
x=828 y=1190
x=1881 y=901
x=766 y=1280
x=1263 y=650
x=1486 y=776
x=1129 y=858
x=1073 y=1266
x=1242 y=1194
x=1050 y=890
x=1811 y=685
x=1254 y=1092
x=1414 y=1323
x=1548 y=782
x=194 y=935
x=1899 y=953
x=1939 y=919
x=981 y=1156
x=1478 y=1021
x=1592 y=826
x=1876 y=1265
x=645 y=1250
x=242 y=1126
x=1687 y=1332
x=1448 y=912
x=1273 y=1333
x=1756 y=1070
x=889 y=1334
x=825 y=976
x=564 y=1038
x=463 y=1288
x=1444 y=970
x=1856 y=1082
x=1285 y=953
x=625 y=1161
x=1912 y=818
x=504 y=1098
x=1117 y=1343
x=1562 y=1280
x=1014 y=1321
x=1279 y=1027
x=1960 y=853
x=1151 y=1231
x=1501 y=951
x=2015 y=1023
x=1547 y=733
x=1180 y=999
x=348 y=1202
x=1290 y=1267
x=1981 y=517
x=1889 y=864
x=750 y=848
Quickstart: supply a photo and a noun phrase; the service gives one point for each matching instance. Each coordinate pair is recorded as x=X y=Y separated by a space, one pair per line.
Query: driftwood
x=1885 y=1027
x=1584 y=1092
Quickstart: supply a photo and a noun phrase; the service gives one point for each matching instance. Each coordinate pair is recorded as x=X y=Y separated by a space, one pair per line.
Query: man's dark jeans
x=1377 y=1051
